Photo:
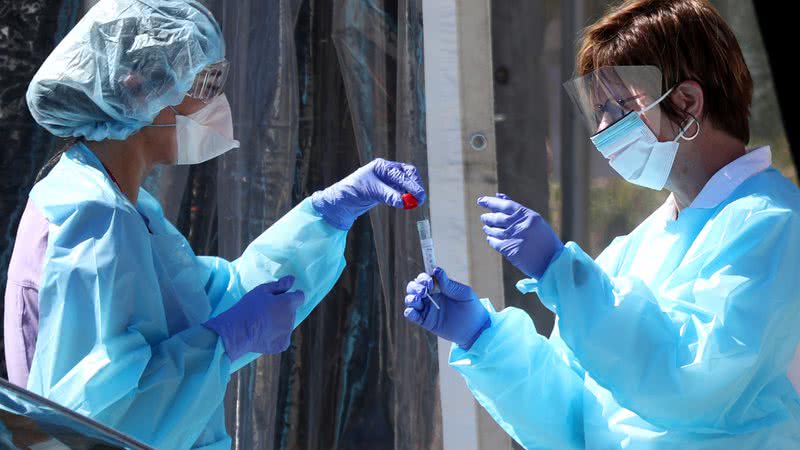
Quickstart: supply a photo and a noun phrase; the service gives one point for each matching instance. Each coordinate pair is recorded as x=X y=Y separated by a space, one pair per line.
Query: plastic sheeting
x=254 y=187
x=361 y=377
x=380 y=49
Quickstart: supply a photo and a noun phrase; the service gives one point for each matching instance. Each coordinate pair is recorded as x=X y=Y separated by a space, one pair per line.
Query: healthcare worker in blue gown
x=129 y=326
x=684 y=333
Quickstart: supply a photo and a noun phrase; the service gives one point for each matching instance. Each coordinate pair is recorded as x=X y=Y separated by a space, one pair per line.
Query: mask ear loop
x=165 y=125
x=692 y=121
x=655 y=103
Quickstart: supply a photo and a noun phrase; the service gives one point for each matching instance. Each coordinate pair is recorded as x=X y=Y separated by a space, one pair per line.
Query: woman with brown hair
x=684 y=333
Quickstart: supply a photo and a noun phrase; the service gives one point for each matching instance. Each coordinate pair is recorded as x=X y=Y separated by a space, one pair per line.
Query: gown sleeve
x=301 y=244
x=524 y=382
x=719 y=333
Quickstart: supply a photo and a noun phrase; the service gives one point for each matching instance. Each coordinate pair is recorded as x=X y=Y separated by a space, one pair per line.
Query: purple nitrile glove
x=520 y=234
x=461 y=317
x=379 y=182
x=261 y=322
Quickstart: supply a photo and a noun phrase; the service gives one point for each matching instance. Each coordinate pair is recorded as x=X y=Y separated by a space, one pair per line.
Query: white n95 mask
x=204 y=134
x=633 y=150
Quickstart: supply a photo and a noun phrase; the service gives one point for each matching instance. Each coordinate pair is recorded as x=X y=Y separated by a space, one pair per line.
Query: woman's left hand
x=379 y=182
x=520 y=234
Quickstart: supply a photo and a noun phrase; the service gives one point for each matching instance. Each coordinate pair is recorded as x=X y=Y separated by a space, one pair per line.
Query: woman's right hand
x=379 y=182
x=460 y=317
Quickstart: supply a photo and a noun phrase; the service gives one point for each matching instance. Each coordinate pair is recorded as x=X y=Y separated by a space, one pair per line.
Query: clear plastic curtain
x=380 y=49
x=357 y=376
x=318 y=89
x=254 y=184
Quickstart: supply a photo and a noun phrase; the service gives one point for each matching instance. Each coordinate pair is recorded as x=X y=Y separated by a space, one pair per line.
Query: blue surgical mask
x=633 y=150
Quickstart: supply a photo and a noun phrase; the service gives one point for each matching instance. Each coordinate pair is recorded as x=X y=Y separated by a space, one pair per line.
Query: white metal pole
x=462 y=165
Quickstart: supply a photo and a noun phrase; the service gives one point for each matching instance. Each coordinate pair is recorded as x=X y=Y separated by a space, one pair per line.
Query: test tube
x=428 y=254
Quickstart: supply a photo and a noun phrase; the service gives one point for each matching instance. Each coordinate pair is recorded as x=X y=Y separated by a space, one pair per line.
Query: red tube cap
x=409 y=201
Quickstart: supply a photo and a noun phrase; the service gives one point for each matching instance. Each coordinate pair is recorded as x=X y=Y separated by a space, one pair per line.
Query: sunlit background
x=320 y=87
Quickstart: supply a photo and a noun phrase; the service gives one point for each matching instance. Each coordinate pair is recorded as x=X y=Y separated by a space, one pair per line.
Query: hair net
x=123 y=62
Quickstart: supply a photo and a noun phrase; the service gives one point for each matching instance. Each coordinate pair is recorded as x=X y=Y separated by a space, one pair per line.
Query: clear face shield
x=608 y=94
x=620 y=105
x=210 y=82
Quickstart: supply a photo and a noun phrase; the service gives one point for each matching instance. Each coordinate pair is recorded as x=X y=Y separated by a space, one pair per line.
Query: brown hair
x=686 y=40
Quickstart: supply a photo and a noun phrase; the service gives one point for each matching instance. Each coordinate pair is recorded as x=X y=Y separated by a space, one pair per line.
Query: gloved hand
x=378 y=182
x=521 y=235
x=261 y=322
x=462 y=317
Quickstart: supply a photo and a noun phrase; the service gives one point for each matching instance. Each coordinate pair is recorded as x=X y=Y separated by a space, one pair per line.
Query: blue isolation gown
x=679 y=336
x=123 y=298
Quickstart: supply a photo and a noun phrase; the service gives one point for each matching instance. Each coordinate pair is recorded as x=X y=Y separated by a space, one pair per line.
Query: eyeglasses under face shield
x=609 y=93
